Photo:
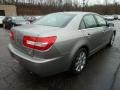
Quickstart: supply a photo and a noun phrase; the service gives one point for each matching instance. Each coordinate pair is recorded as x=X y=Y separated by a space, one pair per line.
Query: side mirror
x=110 y=24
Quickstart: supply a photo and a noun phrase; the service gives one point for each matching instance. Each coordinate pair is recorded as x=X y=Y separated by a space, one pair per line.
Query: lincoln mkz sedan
x=60 y=42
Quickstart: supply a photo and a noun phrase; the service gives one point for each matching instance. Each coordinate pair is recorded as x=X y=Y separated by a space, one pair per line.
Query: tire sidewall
x=111 y=44
x=113 y=37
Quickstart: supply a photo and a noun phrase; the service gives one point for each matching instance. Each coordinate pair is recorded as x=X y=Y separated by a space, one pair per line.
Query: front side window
x=55 y=20
x=90 y=21
x=101 y=21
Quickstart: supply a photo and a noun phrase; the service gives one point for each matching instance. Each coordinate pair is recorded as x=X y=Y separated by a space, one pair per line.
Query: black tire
x=110 y=44
x=79 y=64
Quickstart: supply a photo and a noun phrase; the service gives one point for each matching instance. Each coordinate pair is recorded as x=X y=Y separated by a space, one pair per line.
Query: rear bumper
x=42 y=67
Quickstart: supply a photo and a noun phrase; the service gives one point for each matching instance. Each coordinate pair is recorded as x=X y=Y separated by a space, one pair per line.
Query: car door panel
x=93 y=36
x=92 y=32
x=102 y=24
x=108 y=34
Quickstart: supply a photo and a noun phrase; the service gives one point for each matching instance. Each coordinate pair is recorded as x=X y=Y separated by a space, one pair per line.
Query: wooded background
x=31 y=7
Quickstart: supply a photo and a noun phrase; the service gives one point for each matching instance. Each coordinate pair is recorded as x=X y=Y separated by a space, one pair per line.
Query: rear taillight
x=39 y=43
x=11 y=34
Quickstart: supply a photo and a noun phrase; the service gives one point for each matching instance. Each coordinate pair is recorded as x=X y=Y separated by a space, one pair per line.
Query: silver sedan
x=60 y=42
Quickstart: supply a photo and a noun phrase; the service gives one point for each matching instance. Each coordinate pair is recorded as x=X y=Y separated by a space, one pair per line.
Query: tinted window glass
x=82 y=25
x=55 y=20
x=100 y=20
x=90 y=21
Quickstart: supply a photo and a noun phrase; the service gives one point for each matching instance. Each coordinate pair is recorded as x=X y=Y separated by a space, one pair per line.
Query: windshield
x=55 y=20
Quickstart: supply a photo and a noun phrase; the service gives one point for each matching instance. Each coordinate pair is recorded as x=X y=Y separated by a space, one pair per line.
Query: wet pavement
x=101 y=73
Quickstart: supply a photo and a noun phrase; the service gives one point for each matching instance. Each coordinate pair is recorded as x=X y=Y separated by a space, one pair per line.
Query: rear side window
x=101 y=21
x=90 y=21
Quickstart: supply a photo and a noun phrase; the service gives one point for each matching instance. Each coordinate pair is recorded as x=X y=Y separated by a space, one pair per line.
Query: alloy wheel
x=81 y=61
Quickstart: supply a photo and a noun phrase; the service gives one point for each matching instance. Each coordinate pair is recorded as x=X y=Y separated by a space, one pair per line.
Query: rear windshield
x=55 y=20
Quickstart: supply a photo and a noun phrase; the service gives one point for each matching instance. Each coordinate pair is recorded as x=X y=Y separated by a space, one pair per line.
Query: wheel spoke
x=81 y=59
x=82 y=67
x=78 y=68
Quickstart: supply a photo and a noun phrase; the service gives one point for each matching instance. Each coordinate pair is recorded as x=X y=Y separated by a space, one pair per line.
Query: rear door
x=91 y=32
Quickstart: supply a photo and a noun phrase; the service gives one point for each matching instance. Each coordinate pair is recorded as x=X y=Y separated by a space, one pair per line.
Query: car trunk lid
x=28 y=30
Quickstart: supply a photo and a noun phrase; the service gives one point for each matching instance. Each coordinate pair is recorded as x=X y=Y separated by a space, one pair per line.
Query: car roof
x=77 y=12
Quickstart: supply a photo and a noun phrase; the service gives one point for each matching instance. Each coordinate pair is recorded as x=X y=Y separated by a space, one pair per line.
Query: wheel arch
x=78 y=47
x=74 y=52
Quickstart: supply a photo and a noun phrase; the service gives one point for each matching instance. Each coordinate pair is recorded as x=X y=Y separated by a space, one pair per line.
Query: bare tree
x=85 y=4
x=59 y=2
x=106 y=2
x=1 y=1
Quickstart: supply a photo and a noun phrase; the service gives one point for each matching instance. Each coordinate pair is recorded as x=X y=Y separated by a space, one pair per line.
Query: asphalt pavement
x=101 y=73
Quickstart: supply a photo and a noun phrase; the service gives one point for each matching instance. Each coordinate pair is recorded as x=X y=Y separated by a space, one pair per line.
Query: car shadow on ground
x=66 y=80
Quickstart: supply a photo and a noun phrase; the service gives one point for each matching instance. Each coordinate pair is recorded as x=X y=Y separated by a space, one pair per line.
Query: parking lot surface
x=101 y=73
